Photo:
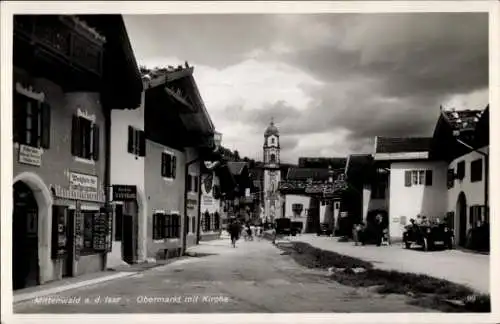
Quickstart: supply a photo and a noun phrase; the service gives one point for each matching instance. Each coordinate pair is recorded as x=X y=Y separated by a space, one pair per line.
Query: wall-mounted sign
x=83 y=182
x=30 y=155
x=100 y=231
x=124 y=193
x=78 y=194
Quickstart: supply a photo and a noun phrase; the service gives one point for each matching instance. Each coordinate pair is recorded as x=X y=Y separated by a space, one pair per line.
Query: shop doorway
x=462 y=219
x=129 y=231
x=25 y=268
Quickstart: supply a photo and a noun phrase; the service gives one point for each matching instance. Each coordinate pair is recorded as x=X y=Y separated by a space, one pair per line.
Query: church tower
x=272 y=176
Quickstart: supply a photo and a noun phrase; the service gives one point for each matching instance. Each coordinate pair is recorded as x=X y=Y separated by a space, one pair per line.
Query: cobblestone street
x=254 y=277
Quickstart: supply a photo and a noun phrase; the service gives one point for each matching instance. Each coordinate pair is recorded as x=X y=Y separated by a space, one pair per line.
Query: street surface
x=253 y=277
x=456 y=266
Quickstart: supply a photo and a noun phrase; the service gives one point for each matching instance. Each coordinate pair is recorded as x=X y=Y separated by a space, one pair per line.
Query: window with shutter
x=168 y=161
x=407 y=178
x=85 y=138
x=476 y=170
x=45 y=129
x=163 y=164
x=450 y=178
x=75 y=136
x=174 y=166
x=428 y=177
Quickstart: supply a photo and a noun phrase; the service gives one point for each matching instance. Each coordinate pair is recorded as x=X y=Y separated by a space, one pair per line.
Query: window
x=168 y=165
x=172 y=226
x=31 y=121
x=272 y=140
x=85 y=138
x=192 y=183
x=273 y=158
x=418 y=177
x=450 y=179
x=476 y=170
x=158 y=226
x=136 y=141
x=118 y=222
x=461 y=170
x=476 y=215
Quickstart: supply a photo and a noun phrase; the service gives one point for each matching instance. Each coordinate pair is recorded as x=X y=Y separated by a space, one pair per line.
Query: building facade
x=61 y=220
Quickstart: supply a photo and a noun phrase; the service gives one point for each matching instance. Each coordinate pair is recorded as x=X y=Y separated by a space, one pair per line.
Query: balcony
x=58 y=46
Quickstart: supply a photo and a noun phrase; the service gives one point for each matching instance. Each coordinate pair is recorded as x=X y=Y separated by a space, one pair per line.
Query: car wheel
x=425 y=245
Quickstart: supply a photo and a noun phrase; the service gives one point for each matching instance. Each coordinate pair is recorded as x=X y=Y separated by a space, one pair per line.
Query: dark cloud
x=383 y=74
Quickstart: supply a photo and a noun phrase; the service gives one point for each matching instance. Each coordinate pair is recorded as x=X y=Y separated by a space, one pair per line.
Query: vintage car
x=297 y=227
x=283 y=226
x=324 y=229
x=428 y=236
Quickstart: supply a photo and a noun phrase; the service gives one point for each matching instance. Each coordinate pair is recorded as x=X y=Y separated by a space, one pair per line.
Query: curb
x=28 y=296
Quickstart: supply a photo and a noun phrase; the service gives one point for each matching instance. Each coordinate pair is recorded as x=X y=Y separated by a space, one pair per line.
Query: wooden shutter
x=96 y=140
x=166 y=226
x=45 y=132
x=75 y=137
x=428 y=177
x=19 y=118
x=163 y=164
x=35 y=118
x=155 y=226
x=174 y=165
x=142 y=143
x=130 y=146
x=407 y=178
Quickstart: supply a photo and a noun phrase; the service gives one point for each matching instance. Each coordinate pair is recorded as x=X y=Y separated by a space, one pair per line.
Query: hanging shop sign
x=83 y=182
x=124 y=193
x=30 y=155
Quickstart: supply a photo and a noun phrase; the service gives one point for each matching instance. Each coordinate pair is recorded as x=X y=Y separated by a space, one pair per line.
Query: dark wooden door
x=24 y=238
x=127 y=238
x=70 y=244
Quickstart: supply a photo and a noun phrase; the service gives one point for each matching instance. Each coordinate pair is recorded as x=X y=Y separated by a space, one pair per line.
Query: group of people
x=376 y=231
x=236 y=228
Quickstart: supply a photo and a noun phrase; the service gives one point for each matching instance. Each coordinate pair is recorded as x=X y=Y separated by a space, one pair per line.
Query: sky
x=331 y=81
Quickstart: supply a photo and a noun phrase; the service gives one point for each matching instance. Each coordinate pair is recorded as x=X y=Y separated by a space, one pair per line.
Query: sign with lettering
x=59 y=231
x=124 y=193
x=82 y=182
x=78 y=230
x=30 y=155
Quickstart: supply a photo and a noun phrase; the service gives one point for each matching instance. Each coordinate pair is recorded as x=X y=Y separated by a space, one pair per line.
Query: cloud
x=332 y=82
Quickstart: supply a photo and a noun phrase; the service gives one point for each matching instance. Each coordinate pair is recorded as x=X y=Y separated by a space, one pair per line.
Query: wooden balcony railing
x=66 y=37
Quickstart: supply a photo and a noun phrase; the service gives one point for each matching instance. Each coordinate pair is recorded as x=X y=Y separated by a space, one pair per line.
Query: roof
x=402 y=144
x=236 y=168
x=322 y=162
x=271 y=130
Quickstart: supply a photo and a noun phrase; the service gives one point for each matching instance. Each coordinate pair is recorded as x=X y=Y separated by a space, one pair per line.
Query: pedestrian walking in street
x=234 y=231
x=248 y=230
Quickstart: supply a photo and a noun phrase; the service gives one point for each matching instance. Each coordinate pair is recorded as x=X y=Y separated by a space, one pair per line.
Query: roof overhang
x=401 y=156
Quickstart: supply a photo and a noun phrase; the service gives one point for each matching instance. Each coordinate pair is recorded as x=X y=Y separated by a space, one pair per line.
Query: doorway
x=25 y=268
x=462 y=219
x=70 y=237
x=129 y=231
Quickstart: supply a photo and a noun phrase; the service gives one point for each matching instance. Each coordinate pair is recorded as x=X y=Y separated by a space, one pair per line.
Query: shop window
x=136 y=141
x=461 y=170
x=31 y=121
x=476 y=170
x=418 y=178
x=118 y=222
x=168 y=165
x=85 y=138
x=88 y=226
